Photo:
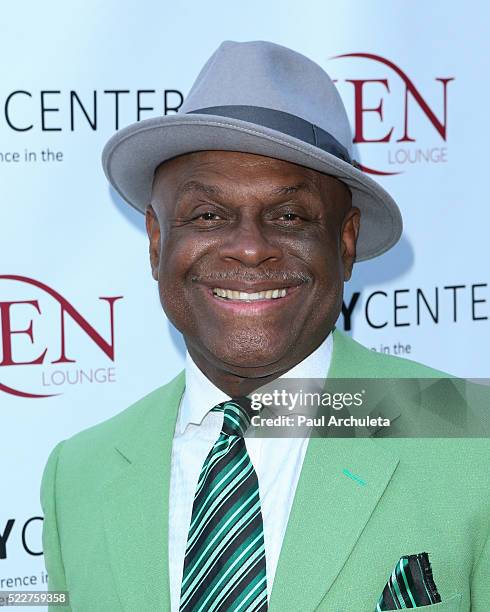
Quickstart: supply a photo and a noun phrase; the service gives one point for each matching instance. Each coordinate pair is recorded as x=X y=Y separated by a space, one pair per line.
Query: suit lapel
x=341 y=481
x=135 y=503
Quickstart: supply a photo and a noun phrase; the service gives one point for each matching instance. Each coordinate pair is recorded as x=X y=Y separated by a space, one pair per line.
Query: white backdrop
x=76 y=293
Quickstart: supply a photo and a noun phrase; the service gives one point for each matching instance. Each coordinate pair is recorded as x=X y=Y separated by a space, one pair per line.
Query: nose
x=249 y=245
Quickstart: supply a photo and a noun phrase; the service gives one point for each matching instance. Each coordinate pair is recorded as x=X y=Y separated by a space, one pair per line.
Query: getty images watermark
x=406 y=408
x=300 y=401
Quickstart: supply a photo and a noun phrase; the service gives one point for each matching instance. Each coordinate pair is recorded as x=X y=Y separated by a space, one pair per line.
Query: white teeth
x=248 y=297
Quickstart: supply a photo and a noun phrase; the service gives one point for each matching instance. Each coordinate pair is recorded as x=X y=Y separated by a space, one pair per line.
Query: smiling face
x=250 y=254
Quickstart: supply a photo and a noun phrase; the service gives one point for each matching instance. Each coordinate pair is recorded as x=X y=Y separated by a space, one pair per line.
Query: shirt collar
x=201 y=394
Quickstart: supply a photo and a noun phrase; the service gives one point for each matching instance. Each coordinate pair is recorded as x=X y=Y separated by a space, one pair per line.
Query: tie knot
x=237 y=415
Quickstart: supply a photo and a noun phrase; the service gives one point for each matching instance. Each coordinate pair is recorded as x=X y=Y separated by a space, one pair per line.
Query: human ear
x=153 y=231
x=350 y=232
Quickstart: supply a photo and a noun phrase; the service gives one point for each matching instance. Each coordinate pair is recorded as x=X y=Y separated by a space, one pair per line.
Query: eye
x=290 y=216
x=208 y=216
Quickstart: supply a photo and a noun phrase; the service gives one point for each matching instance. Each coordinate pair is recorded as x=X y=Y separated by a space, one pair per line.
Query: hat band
x=282 y=122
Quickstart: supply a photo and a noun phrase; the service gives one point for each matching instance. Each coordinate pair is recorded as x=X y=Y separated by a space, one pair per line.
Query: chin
x=251 y=353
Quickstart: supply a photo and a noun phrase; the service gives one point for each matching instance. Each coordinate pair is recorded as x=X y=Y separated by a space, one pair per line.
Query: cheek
x=178 y=259
x=171 y=275
x=323 y=257
x=327 y=267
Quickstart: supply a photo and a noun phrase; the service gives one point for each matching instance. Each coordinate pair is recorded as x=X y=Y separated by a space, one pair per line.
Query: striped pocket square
x=410 y=585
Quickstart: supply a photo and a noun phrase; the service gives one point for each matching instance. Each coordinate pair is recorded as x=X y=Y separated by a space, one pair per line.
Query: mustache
x=239 y=274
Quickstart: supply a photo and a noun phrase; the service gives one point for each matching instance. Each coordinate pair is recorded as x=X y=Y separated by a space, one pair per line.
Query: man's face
x=224 y=228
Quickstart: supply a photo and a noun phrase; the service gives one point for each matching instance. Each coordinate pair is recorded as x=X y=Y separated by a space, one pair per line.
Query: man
x=255 y=214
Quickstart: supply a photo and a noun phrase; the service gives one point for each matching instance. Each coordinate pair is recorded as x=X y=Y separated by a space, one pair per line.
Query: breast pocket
x=453 y=604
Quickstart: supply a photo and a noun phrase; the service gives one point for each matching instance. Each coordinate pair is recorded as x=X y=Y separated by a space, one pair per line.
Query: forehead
x=218 y=170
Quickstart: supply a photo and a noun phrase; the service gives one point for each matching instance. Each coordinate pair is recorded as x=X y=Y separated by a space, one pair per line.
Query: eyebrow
x=193 y=186
x=288 y=189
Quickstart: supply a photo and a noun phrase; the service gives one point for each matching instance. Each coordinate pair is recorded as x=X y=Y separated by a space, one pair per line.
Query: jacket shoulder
x=360 y=361
x=125 y=420
x=92 y=445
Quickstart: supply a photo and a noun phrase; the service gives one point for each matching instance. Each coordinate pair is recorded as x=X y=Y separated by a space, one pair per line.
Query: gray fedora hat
x=257 y=97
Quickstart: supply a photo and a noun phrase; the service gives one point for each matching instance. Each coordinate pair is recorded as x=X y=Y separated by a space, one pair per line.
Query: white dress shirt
x=277 y=462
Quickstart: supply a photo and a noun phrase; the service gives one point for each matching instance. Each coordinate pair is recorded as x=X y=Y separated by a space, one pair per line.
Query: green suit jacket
x=105 y=500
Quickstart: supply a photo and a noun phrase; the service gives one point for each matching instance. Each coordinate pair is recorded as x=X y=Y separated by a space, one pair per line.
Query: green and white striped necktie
x=224 y=565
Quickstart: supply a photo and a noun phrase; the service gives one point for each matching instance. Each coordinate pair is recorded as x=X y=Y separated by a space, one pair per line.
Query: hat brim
x=132 y=155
